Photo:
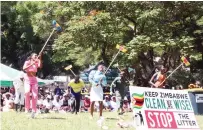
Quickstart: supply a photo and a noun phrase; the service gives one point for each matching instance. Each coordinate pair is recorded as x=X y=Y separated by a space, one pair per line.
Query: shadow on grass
x=58 y=118
x=108 y=118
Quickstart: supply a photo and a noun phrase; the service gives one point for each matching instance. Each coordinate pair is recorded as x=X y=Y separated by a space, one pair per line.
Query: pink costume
x=31 y=86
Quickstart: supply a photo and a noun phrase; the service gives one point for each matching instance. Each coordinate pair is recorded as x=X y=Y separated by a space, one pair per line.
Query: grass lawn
x=67 y=121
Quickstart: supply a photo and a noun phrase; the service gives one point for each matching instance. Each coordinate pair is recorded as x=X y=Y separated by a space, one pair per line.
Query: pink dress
x=32 y=68
x=31 y=86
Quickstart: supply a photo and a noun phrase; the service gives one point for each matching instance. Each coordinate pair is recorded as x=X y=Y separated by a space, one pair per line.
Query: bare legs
x=100 y=108
x=92 y=108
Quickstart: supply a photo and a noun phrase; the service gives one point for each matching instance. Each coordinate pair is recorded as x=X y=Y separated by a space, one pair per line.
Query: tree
x=91 y=31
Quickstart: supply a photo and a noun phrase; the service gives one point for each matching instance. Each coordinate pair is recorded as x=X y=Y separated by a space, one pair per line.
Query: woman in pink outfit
x=30 y=82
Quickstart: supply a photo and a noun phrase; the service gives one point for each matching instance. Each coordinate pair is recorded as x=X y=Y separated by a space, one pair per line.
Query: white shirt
x=70 y=101
x=18 y=84
x=47 y=104
x=7 y=103
x=57 y=104
x=40 y=102
x=113 y=105
x=106 y=103
x=81 y=103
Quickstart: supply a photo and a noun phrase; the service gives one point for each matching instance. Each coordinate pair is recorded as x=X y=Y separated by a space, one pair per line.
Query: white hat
x=113 y=97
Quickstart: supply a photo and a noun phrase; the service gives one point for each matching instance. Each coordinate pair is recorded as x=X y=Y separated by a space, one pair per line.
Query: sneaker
x=101 y=118
x=26 y=112
x=100 y=121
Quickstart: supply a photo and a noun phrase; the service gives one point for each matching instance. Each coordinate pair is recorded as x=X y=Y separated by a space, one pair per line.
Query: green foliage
x=91 y=31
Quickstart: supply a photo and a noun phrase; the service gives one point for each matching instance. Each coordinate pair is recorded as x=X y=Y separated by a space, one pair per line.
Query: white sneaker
x=26 y=112
x=102 y=118
x=100 y=121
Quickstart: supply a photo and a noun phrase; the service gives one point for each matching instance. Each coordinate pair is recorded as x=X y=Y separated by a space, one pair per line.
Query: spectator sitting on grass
x=57 y=103
x=106 y=102
x=8 y=102
x=86 y=103
x=82 y=103
x=113 y=103
x=65 y=106
x=47 y=104
x=70 y=102
x=40 y=102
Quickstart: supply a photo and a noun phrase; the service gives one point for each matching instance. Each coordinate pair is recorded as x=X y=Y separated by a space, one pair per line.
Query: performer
x=76 y=87
x=98 y=81
x=121 y=88
x=30 y=82
x=158 y=78
x=18 y=84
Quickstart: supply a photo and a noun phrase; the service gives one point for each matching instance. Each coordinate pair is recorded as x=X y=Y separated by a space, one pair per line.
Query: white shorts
x=96 y=93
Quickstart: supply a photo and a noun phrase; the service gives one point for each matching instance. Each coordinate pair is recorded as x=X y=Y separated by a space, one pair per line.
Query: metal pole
x=112 y=61
x=72 y=72
x=47 y=41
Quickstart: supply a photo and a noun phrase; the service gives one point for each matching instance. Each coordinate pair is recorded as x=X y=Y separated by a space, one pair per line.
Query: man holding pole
x=159 y=78
x=121 y=85
x=30 y=80
x=98 y=81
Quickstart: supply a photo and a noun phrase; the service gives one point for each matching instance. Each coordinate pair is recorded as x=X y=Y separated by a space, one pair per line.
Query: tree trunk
x=103 y=54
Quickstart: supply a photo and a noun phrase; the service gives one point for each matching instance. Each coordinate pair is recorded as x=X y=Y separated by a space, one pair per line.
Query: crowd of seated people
x=59 y=100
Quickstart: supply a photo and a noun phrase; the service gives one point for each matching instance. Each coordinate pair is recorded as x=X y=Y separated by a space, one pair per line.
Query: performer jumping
x=30 y=82
x=98 y=81
x=18 y=84
x=76 y=87
x=121 y=87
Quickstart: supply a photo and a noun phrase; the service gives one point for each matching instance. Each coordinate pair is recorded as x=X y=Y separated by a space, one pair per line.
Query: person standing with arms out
x=159 y=78
x=76 y=87
x=121 y=88
x=30 y=82
x=98 y=81
x=18 y=84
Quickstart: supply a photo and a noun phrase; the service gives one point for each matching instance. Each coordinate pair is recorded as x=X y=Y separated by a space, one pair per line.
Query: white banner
x=162 y=109
x=60 y=78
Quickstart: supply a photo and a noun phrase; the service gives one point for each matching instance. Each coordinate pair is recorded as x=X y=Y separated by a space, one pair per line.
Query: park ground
x=66 y=121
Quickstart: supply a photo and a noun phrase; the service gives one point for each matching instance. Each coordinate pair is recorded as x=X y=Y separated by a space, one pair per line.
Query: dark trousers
x=76 y=103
